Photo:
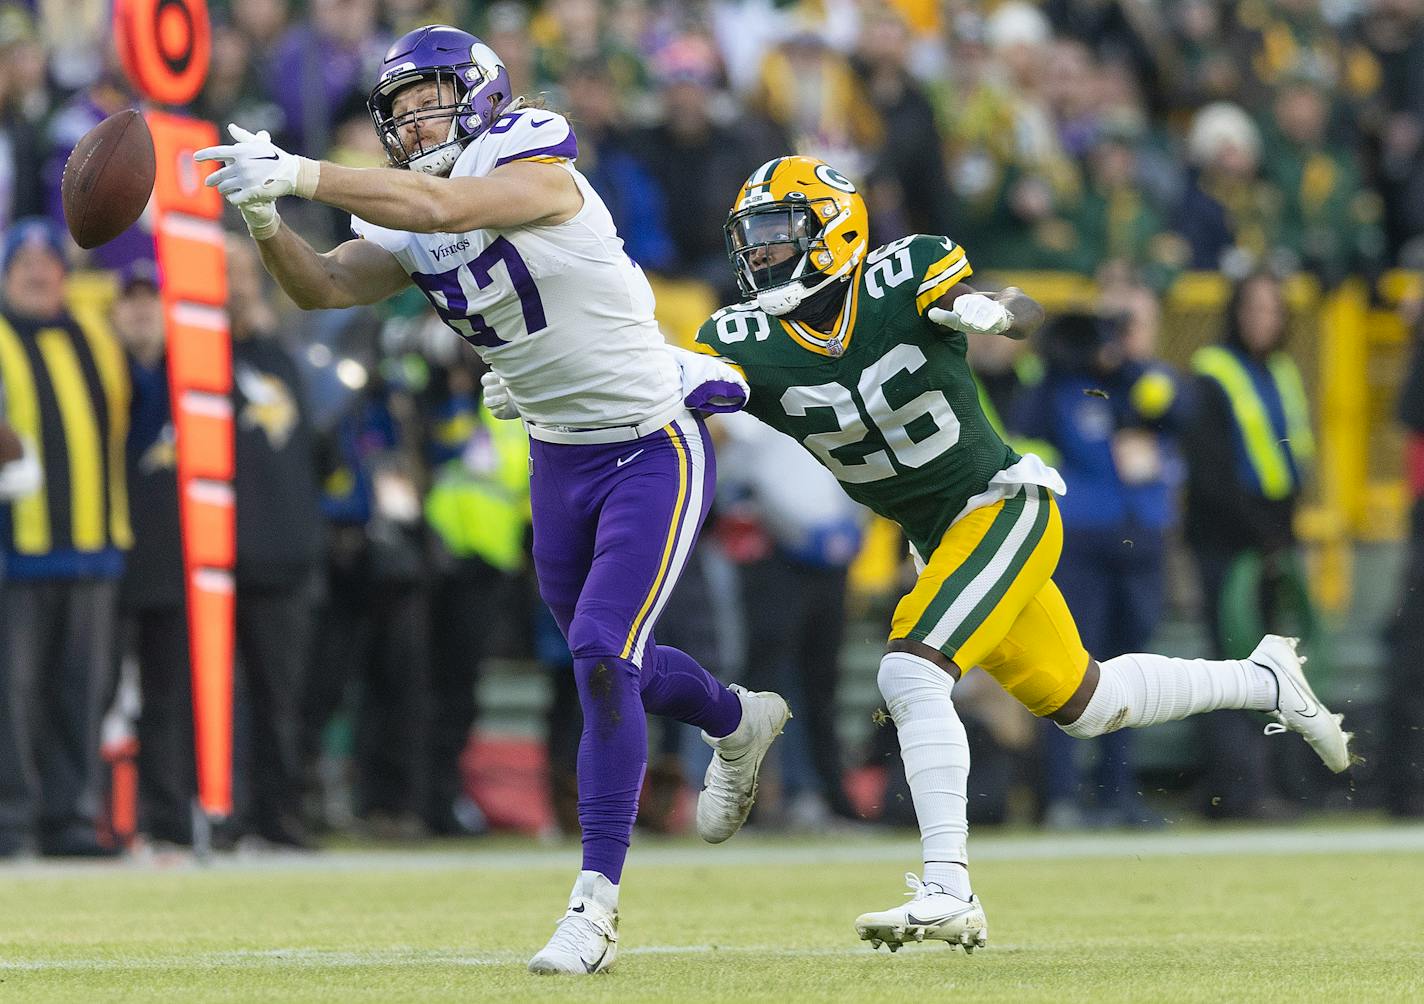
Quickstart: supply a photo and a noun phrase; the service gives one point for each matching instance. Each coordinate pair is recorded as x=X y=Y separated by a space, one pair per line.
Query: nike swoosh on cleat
x=592 y=967
x=1307 y=709
x=911 y=919
x=576 y=909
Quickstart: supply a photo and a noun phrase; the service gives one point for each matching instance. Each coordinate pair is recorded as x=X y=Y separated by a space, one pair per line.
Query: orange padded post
x=192 y=266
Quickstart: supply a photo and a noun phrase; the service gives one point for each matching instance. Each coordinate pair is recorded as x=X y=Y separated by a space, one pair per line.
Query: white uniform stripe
x=989 y=576
x=687 y=535
x=763 y=173
x=948 y=273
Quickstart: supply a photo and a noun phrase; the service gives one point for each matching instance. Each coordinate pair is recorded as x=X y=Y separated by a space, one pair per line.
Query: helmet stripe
x=760 y=181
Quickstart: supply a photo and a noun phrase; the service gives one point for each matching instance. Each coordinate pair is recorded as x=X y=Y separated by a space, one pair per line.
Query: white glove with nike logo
x=255 y=173
x=975 y=314
x=496 y=397
x=709 y=384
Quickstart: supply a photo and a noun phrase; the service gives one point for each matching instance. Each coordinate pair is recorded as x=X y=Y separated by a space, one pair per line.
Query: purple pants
x=614 y=526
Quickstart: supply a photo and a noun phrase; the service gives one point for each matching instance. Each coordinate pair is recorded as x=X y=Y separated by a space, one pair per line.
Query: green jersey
x=886 y=401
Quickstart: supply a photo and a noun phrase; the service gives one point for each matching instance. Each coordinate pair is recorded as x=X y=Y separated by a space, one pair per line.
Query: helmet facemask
x=470 y=95
x=777 y=250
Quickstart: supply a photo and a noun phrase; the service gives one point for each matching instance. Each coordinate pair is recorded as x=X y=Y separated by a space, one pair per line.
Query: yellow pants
x=986 y=598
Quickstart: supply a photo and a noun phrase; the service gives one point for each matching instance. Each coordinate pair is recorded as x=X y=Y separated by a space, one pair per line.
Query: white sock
x=936 y=755
x=1144 y=689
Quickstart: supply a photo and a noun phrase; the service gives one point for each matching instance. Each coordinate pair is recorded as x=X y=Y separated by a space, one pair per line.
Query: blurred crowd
x=382 y=513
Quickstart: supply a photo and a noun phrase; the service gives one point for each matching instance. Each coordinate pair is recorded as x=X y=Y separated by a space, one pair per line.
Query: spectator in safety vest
x=67 y=391
x=1248 y=450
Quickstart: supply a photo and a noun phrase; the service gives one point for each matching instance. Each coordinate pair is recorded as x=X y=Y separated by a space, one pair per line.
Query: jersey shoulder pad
x=393 y=241
x=937 y=263
x=735 y=332
x=527 y=134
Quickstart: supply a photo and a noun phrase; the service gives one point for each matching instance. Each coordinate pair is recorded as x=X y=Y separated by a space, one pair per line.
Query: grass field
x=1239 y=915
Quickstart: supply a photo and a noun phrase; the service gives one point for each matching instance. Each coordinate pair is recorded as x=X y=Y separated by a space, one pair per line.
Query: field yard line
x=780 y=849
x=305 y=958
x=880 y=850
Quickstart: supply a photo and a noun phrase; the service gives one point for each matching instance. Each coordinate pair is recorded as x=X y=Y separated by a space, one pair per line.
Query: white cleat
x=931 y=915
x=1297 y=707
x=730 y=785
x=586 y=940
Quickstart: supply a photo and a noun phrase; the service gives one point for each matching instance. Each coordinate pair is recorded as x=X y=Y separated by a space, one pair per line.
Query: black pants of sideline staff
x=795 y=616
x=55 y=664
x=273 y=628
x=1402 y=767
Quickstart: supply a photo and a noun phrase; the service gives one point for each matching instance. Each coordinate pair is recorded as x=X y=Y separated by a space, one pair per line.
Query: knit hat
x=29 y=232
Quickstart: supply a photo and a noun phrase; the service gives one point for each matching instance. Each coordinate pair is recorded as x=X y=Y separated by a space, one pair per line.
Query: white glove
x=496 y=396
x=23 y=476
x=709 y=384
x=975 y=314
x=256 y=170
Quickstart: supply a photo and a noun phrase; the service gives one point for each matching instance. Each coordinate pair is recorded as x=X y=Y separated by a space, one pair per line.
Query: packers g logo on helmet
x=798 y=224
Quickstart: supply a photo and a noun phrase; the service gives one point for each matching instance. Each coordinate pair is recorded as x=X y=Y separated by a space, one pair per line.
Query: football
x=108 y=179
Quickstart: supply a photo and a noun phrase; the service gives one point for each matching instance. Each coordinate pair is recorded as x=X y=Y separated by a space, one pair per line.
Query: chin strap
x=784 y=299
x=439 y=161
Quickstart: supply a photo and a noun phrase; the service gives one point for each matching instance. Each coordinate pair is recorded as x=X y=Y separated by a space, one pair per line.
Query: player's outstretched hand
x=975 y=314
x=257 y=170
x=496 y=396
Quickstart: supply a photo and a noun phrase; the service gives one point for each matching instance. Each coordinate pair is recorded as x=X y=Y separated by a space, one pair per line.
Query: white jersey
x=560 y=312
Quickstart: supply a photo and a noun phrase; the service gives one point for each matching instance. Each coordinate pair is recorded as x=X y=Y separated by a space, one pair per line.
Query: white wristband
x=308 y=176
x=261 y=219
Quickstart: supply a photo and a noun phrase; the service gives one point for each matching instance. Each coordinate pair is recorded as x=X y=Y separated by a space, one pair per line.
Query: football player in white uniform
x=486 y=214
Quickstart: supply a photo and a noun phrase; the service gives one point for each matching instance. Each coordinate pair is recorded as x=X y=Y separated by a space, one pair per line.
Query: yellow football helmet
x=798 y=225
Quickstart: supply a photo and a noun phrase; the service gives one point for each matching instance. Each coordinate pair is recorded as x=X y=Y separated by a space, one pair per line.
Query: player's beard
x=819 y=310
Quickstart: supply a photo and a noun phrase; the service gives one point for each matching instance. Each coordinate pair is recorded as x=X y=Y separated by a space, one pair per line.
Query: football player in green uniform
x=859 y=354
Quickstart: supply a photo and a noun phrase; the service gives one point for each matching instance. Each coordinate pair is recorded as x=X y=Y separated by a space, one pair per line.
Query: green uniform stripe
x=975 y=563
x=996 y=593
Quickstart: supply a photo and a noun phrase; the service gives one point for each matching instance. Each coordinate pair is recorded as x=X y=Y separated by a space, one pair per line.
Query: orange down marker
x=165 y=47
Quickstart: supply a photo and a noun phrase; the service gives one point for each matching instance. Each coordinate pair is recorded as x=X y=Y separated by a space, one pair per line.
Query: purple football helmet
x=446 y=56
